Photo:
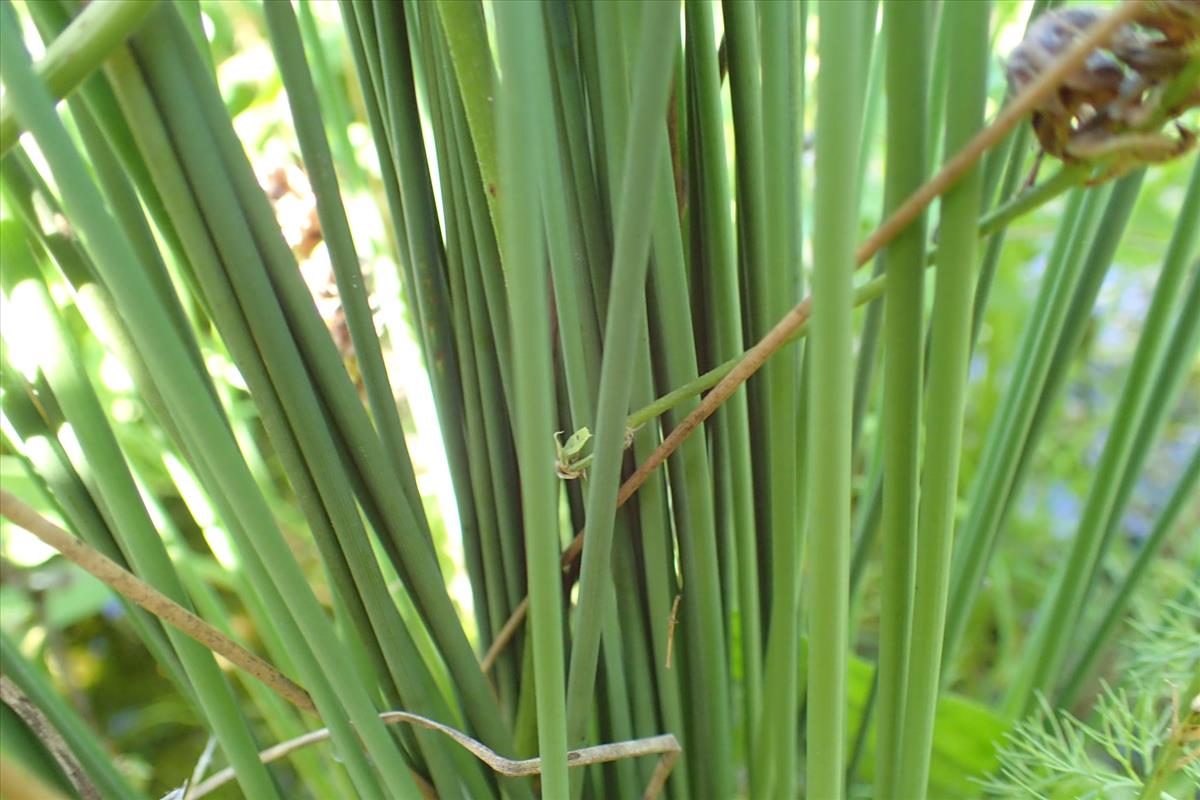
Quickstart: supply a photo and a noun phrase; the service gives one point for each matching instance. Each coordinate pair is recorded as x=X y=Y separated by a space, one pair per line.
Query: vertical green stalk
x=586 y=167
x=777 y=289
x=949 y=355
x=414 y=554
x=742 y=46
x=496 y=509
x=1172 y=377
x=875 y=50
x=831 y=349
x=335 y=104
x=366 y=67
x=627 y=704
x=672 y=338
x=490 y=458
x=607 y=65
x=1048 y=645
x=612 y=33
x=907 y=28
x=523 y=61
x=469 y=50
x=993 y=477
x=732 y=426
x=626 y=312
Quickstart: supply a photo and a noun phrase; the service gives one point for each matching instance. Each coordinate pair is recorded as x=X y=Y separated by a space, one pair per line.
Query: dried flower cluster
x=1113 y=109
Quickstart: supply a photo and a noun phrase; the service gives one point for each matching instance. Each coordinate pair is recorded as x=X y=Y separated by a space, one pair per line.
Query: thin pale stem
x=665 y=745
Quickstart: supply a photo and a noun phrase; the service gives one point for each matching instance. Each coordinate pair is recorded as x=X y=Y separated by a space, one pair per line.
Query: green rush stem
x=1168 y=384
x=908 y=32
x=399 y=524
x=595 y=188
x=524 y=62
x=994 y=475
x=627 y=697
x=335 y=105
x=1052 y=636
x=463 y=21
x=732 y=424
x=744 y=73
x=700 y=612
x=1013 y=173
x=426 y=287
x=616 y=718
x=275 y=372
x=608 y=57
x=945 y=398
x=414 y=681
x=1104 y=237
x=672 y=340
x=151 y=138
x=774 y=289
x=490 y=458
x=625 y=312
x=308 y=119
x=366 y=68
x=831 y=386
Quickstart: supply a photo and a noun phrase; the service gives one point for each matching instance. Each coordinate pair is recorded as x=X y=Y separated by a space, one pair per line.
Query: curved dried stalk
x=666 y=745
x=1010 y=116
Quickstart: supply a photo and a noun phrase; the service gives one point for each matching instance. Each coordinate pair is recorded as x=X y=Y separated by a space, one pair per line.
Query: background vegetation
x=334 y=403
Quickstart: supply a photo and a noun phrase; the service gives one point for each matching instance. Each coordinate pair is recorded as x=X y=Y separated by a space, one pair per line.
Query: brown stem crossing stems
x=149 y=598
x=1010 y=116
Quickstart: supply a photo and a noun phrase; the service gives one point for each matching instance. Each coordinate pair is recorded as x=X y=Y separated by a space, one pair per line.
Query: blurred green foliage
x=56 y=610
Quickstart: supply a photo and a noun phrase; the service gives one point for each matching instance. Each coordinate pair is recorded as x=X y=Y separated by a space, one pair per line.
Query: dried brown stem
x=48 y=735
x=126 y=583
